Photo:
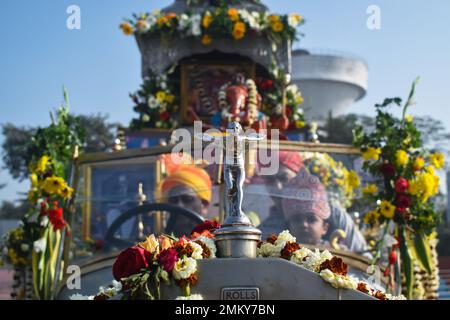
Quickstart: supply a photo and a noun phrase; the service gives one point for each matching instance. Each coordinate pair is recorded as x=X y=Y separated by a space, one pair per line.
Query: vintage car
x=119 y=202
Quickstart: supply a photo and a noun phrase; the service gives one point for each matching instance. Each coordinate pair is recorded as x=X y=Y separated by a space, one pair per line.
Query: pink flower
x=167 y=259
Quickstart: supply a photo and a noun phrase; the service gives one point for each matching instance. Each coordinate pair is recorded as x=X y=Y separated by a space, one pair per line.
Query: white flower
x=184 y=268
x=197 y=250
x=293 y=89
x=196 y=21
x=191 y=297
x=40 y=245
x=285 y=237
x=117 y=285
x=298 y=255
x=270 y=250
x=316 y=258
x=339 y=281
x=293 y=20
x=24 y=247
x=184 y=22
x=44 y=221
x=78 y=296
x=210 y=244
x=152 y=102
x=391 y=297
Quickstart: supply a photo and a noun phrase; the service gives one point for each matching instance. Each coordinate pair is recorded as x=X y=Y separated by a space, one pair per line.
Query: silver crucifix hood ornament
x=237 y=238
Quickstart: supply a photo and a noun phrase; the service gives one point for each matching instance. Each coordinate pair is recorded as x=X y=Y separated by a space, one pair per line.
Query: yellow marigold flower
x=277 y=26
x=409 y=118
x=371 y=154
x=207 y=20
x=370 y=189
x=419 y=163
x=34 y=180
x=66 y=192
x=299 y=124
x=42 y=163
x=162 y=21
x=401 y=158
x=206 y=40
x=161 y=96
x=387 y=209
x=437 y=160
x=353 y=179
x=239 y=30
x=127 y=28
x=273 y=18
x=53 y=185
x=299 y=99
x=233 y=13
x=371 y=217
x=170 y=98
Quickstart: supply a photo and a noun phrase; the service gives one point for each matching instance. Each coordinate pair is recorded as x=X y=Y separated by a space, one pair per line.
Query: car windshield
x=315 y=195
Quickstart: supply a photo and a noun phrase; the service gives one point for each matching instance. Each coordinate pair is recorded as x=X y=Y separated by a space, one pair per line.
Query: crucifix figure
x=234 y=170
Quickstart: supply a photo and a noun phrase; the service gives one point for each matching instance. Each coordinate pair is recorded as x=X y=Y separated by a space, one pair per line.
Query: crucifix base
x=237 y=241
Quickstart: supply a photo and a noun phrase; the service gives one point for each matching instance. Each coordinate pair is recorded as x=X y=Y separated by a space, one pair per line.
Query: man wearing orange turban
x=189 y=187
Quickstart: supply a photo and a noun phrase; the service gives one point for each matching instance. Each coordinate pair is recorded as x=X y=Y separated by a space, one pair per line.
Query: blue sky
x=100 y=66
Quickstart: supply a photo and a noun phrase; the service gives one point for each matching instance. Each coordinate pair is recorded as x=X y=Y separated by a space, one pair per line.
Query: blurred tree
x=17 y=150
x=13 y=211
x=435 y=135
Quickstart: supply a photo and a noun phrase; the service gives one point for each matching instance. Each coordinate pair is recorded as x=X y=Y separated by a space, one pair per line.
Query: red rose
x=167 y=259
x=403 y=201
x=387 y=169
x=401 y=185
x=207 y=225
x=131 y=261
x=164 y=116
x=266 y=84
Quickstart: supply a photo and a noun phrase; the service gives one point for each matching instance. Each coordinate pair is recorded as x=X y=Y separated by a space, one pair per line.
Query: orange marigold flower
x=207 y=20
x=127 y=28
x=289 y=249
x=335 y=265
x=277 y=26
x=239 y=30
x=206 y=40
x=272 y=238
x=233 y=13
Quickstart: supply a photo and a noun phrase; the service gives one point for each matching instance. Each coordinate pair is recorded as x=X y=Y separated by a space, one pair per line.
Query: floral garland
x=223 y=22
x=157 y=102
x=407 y=172
x=252 y=101
x=140 y=270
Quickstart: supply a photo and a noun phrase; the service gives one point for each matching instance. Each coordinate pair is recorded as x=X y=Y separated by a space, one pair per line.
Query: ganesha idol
x=239 y=101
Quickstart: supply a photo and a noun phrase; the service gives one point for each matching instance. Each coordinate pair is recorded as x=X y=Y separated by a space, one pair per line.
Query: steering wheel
x=175 y=212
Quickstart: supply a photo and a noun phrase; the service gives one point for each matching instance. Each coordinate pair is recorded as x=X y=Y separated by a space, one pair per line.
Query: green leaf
x=423 y=252
x=407 y=265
